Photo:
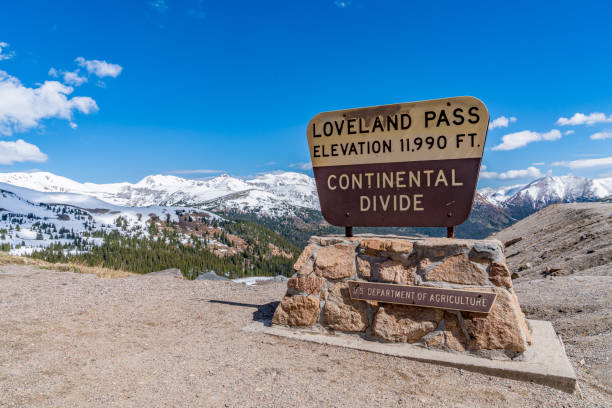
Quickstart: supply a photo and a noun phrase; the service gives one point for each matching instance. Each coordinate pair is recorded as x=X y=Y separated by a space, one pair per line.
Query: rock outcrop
x=318 y=294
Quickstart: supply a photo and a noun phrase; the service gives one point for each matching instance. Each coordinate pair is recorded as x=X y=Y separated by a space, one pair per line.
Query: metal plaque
x=449 y=299
x=408 y=164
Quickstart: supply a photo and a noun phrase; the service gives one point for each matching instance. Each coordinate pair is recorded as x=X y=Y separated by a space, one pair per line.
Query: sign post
x=408 y=164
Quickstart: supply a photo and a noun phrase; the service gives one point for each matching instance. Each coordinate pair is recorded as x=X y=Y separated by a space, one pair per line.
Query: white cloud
x=271 y=163
x=159 y=5
x=601 y=136
x=22 y=108
x=538 y=164
x=343 y=4
x=5 y=55
x=100 y=68
x=529 y=172
x=585 y=163
x=582 y=119
x=20 y=151
x=500 y=122
x=301 y=166
x=513 y=141
x=568 y=132
x=196 y=171
x=53 y=72
x=73 y=78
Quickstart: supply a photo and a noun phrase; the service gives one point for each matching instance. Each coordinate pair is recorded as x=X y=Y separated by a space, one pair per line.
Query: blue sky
x=195 y=88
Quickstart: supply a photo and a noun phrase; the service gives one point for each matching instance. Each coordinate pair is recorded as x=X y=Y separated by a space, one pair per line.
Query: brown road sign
x=408 y=164
x=449 y=299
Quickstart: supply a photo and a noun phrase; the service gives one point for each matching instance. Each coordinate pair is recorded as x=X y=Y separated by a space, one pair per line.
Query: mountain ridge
x=288 y=203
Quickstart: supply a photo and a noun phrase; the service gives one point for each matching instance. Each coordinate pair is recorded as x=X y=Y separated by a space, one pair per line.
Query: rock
x=436 y=248
x=311 y=284
x=297 y=311
x=512 y=242
x=280 y=278
x=304 y=256
x=554 y=272
x=373 y=246
x=457 y=269
x=364 y=268
x=396 y=272
x=336 y=262
x=500 y=329
x=211 y=276
x=487 y=251
x=524 y=266
x=399 y=323
x=326 y=241
x=500 y=275
x=521 y=318
x=435 y=340
x=167 y=272
x=342 y=313
x=455 y=338
x=307 y=268
x=515 y=275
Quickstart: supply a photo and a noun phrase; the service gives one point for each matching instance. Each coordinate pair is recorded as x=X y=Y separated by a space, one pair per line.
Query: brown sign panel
x=408 y=164
x=449 y=299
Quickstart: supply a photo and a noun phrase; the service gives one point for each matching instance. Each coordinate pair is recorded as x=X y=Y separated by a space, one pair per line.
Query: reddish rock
x=304 y=256
x=364 y=268
x=400 y=323
x=455 y=338
x=307 y=268
x=373 y=246
x=325 y=241
x=309 y=284
x=424 y=263
x=435 y=341
x=499 y=275
x=396 y=272
x=437 y=248
x=457 y=269
x=342 y=313
x=521 y=317
x=335 y=262
x=500 y=329
x=297 y=311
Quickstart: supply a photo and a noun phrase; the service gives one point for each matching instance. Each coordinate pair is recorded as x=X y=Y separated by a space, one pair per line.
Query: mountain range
x=287 y=202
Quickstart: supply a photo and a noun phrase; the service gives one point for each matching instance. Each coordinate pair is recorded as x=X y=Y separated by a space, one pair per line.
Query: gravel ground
x=70 y=339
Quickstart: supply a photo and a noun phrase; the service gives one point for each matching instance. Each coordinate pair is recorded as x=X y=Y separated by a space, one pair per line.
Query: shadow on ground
x=263 y=313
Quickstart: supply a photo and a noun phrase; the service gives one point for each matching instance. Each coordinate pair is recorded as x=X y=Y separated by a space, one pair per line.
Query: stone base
x=318 y=295
x=544 y=363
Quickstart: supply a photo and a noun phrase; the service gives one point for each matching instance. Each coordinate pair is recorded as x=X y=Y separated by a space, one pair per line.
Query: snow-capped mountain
x=276 y=198
x=522 y=200
x=31 y=220
x=272 y=194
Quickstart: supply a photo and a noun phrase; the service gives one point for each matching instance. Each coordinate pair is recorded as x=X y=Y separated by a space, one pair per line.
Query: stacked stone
x=318 y=294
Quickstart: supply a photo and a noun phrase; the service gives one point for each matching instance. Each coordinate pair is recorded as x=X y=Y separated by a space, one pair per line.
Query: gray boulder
x=211 y=275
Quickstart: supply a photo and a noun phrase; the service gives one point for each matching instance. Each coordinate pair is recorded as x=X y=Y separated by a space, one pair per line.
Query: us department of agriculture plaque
x=449 y=299
x=408 y=164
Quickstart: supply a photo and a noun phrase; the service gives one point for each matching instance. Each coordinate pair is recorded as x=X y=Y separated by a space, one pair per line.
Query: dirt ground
x=69 y=339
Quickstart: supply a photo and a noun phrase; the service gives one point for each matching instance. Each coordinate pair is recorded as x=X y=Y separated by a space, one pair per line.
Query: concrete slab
x=544 y=363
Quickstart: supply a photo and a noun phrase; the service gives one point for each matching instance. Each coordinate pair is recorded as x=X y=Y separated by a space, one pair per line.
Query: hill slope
x=564 y=260
x=576 y=237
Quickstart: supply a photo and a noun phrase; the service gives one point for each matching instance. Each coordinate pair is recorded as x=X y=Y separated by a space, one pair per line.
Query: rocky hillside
x=562 y=260
x=561 y=239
